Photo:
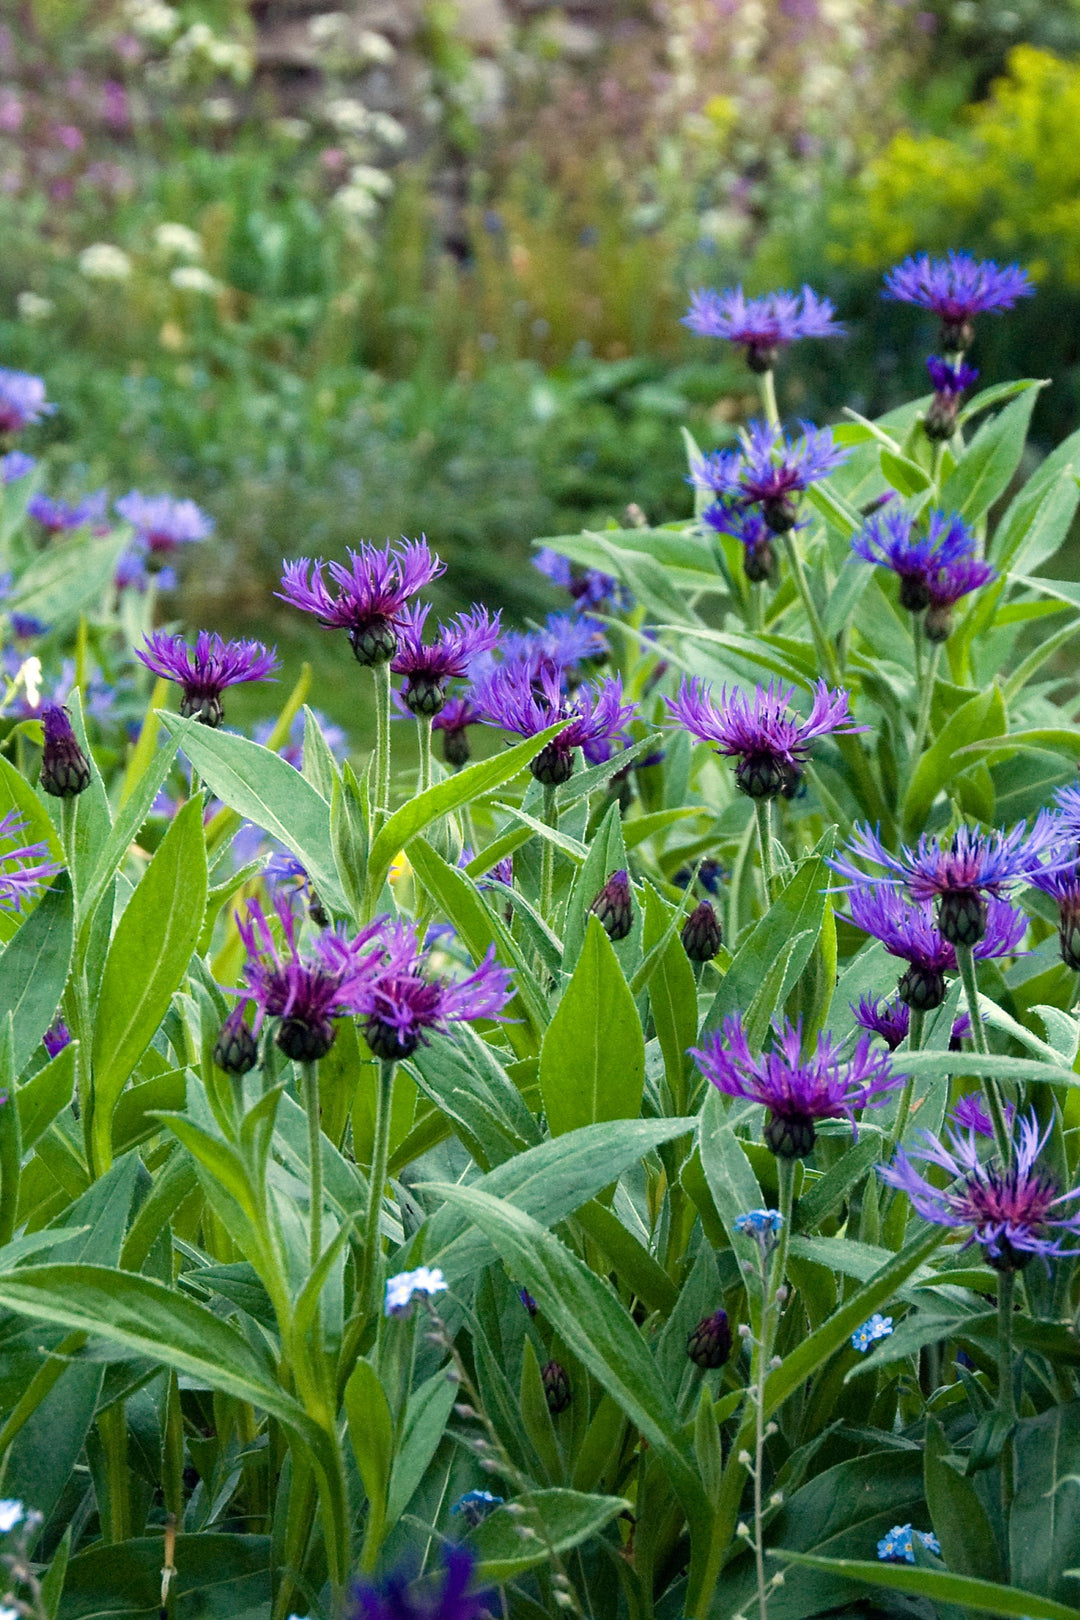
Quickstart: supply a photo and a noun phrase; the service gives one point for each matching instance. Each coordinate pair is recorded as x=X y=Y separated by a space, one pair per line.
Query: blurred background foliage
x=386 y=269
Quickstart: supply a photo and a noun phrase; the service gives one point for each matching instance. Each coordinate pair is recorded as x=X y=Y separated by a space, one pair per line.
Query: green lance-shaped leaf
x=147 y=959
x=939 y=1586
x=34 y=969
x=989 y=460
x=560 y=1520
x=592 y=1062
x=968 y=1544
x=217 y=1578
x=981 y=717
x=60 y=583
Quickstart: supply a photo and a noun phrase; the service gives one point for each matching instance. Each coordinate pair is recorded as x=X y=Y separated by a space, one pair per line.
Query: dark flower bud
x=956 y=336
x=760 y=776
x=528 y=1301
x=914 y=593
x=790 y=1136
x=938 y=624
x=235 y=1050
x=701 y=936
x=1069 y=936
x=317 y=911
x=961 y=916
x=762 y=357
x=553 y=765
x=941 y=414
x=922 y=988
x=709 y=1344
x=373 y=642
x=389 y=1043
x=1002 y=1256
x=614 y=906
x=556 y=1387
x=455 y=748
x=305 y=1040
x=780 y=513
x=793 y=785
x=424 y=696
x=759 y=562
x=65 y=769
x=205 y=707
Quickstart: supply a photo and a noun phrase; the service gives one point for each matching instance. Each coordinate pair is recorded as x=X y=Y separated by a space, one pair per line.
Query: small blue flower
x=407 y=1285
x=760 y=1223
x=878 y=1327
x=475 y=1506
x=898 y=1547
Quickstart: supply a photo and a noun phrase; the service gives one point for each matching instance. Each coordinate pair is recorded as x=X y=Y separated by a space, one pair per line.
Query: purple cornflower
x=15 y=465
x=23 y=867
x=589 y=588
x=132 y=573
x=1067 y=800
x=748 y=526
x=453 y=720
x=59 y=517
x=756 y=475
x=970 y=1115
x=771 y=744
x=306 y=993
x=427 y=669
x=892 y=1021
x=1013 y=1213
x=962 y=877
x=65 y=769
x=950 y=380
x=908 y=932
x=510 y=698
x=797 y=1091
x=956 y=289
x=206 y=670
x=762 y=326
x=400 y=1002
x=891 y=540
x=22 y=401
x=373 y=588
x=562 y=644
x=946 y=586
x=394 y=1599
x=56 y=1037
x=1061 y=881
x=163 y=524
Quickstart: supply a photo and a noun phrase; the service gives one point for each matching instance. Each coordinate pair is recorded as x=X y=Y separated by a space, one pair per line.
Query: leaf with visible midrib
x=592 y=1062
x=34 y=968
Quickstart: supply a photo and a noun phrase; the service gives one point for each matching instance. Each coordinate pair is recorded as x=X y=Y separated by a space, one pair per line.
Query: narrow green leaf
x=939 y=1585
x=34 y=969
x=560 y=1520
x=592 y=1061
x=989 y=461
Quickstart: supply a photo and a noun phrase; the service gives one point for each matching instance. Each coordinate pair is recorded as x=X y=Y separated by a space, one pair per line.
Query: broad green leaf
x=147 y=959
x=607 y=854
x=560 y=1520
x=371 y=1434
x=904 y=474
x=1033 y=520
x=672 y=997
x=997 y=394
x=968 y=1544
x=218 y=1577
x=425 y=1421
x=133 y=811
x=989 y=461
x=592 y=1061
x=60 y=584
x=981 y=717
x=939 y=1586
x=34 y=969
x=1044 y=1524
x=464 y=1078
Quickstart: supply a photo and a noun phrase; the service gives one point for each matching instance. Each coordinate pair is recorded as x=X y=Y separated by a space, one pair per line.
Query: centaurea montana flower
x=1061 y=881
x=132 y=573
x=946 y=586
x=908 y=931
x=60 y=517
x=23 y=867
x=509 y=697
x=770 y=470
x=891 y=539
x=797 y=1091
x=589 y=588
x=771 y=744
x=561 y=644
x=892 y=1021
x=401 y=1002
x=162 y=523
x=962 y=877
x=950 y=379
x=305 y=992
x=970 y=1115
x=56 y=1037
x=373 y=588
x=22 y=400
x=453 y=720
x=428 y=668
x=206 y=670
x=747 y=525
x=877 y=1327
x=1013 y=1213
x=956 y=289
x=898 y=1545
x=65 y=769
x=394 y=1599
x=762 y=326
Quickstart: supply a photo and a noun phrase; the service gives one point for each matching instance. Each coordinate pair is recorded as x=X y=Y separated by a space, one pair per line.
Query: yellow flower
x=399 y=867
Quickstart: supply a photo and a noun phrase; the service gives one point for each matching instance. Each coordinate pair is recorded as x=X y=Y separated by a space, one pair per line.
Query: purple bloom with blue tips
x=59 y=517
x=950 y=378
x=771 y=744
x=394 y=1599
x=762 y=326
x=23 y=867
x=132 y=573
x=564 y=642
x=1060 y=879
x=956 y=289
x=892 y=539
x=970 y=1115
x=511 y=698
x=162 y=523
x=56 y=1037
x=797 y=1091
x=22 y=401
x=589 y=588
x=402 y=1003
x=908 y=931
x=770 y=470
x=428 y=668
x=747 y=525
x=892 y=1021
x=206 y=670
x=15 y=465
x=372 y=590
x=1014 y=1213
x=946 y=586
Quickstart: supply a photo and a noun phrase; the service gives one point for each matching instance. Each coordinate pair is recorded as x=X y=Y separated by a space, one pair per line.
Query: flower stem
x=547 y=857
x=768 y=397
x=927 y=680
x=1006 y=1385
x=380 y=1154
x=763 y=811
x=310 y=1074
x=966 y=962
x=423 y=779
x=756 y=619
x=772 y=1278
x=381 y=672
x=824 y=648
x=915 y=1038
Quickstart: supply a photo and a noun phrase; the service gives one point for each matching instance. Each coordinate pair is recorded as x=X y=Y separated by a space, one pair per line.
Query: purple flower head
x=762 y=326
x=771 y=744
x=23 y=867
x=401 y=1002
x=59 y=517
x=394 y=1599
x=956 y=289
x=453 y=720
x=909 y=932
x=962 y=876
x=1060 y=879
x=163 y=524
x=24 y=627
x=946 y=586
x=56 y=1037
x=510 y=698
x=891 y=540
x=65 y=769
x=1013 y=1213
x=22 y=401
x=15 y=465
x=132 y=573
x=747 y=525
x=770 y=470
x=305 y=992
x=950 y=381
x=206 y=670
x=427 y=669
x=970 y=1115
x=589 y=588
x=892 y=1020
x=797 y=1091
x=502 y=871
x=373 y=588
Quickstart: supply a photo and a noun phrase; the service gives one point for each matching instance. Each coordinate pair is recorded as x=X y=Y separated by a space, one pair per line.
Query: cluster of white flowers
x=32 y=307
x=178 y=240
x=152 y=20
x=103 y=261
x=199 y=49
x=194 y=279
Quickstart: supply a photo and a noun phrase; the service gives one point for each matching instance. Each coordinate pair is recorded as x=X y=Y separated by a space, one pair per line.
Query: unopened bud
x=709 y=1344
x=790 y=1136
x=235 y=1050
x=564 y=1600
x=65 y=769
x=556 y=1387
x=961 y=916
x=771 y=1428
x=745 y=1458
x=745 y=1330
x=614 y=906
x=776 y=1499
x=778 y=1579
x=701 y=936
x=463 y=1410
x=743 y=1530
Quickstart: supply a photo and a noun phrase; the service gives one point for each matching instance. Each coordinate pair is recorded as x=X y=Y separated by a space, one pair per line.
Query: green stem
x=547 y=857
x=927 y=676
x=763 y=812
x=112 y=1431
x=380 y=1154
x=772 y=1277
x=966 y=962
x=381 y=673
x=768 y=397
x=1006 y=1387
x=310 y=1073
x=423 y=780
x=824 y=648
x=756 y=620
x=915 y=1038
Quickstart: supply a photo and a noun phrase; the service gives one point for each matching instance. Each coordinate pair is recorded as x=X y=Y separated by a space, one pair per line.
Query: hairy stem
x=915 y=1039
x=995 y=1102
x=547 y=857
x=927 y=679
x=310 y=1073
x=423 y=779
x=768 y=397
x=1006 y=1386
x=763 y=811
x=381 y=673
x=380 y=1154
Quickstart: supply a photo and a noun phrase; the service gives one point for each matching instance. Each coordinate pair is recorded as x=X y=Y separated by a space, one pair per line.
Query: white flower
x=290 y=129
x=152 y=19
x=403 y=1289
x=356 y=202
x=12 y=1511
x=28 y=675
x=219 y=110
x=371 y=179
x=9 y=1614
x=32 y=307
x=193 y=278
x=388 y=130
x=348 y=116
x=375 y=48
x=328 y=27
x=179 y=239
x=103 y=261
